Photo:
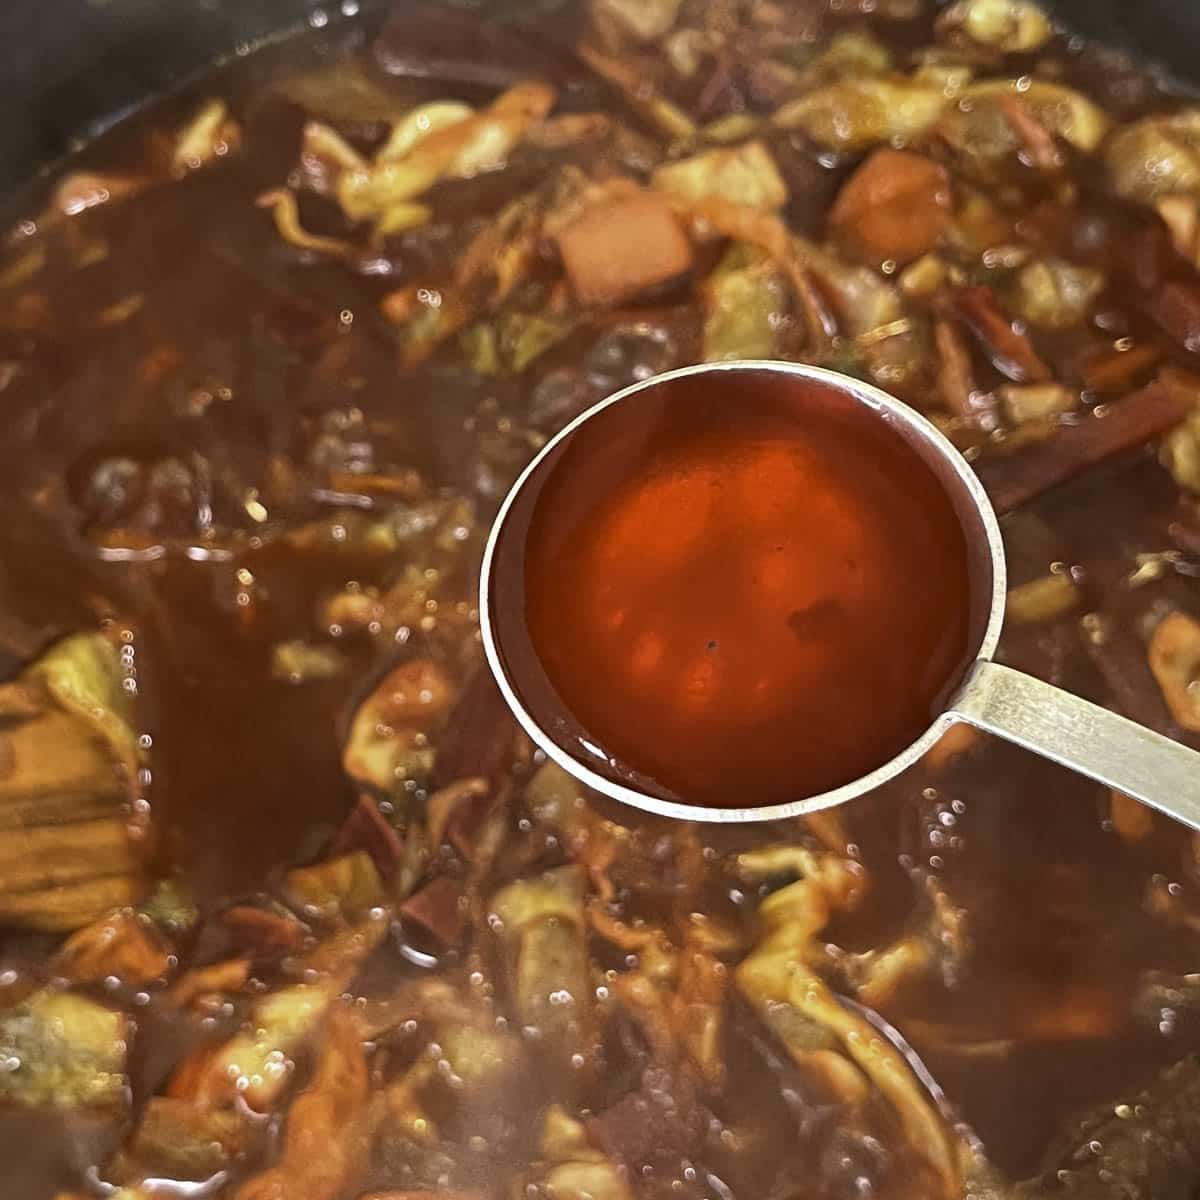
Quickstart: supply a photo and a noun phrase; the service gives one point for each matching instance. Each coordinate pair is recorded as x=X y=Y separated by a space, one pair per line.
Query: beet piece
x=367 y=829
x=662 y=1119
x=1017 y=478
x=1012 y=353
x=437 y=910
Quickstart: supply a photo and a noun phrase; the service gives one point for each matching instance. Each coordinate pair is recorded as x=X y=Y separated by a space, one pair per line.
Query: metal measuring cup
x=1045 y=719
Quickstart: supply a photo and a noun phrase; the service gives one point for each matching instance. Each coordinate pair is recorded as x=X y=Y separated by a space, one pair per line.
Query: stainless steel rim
x=892 y=409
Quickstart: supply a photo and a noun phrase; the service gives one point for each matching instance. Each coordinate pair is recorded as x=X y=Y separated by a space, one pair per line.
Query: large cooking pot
x=70 y=67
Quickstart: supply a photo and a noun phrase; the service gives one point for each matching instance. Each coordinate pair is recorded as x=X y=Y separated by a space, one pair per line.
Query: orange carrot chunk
x=616 y=251
x=895 y=206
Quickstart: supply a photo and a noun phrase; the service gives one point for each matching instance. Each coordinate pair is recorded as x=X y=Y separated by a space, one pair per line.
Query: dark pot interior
x=67 y=66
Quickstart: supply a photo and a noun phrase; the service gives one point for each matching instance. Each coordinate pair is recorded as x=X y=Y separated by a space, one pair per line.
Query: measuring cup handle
x=1083 y=737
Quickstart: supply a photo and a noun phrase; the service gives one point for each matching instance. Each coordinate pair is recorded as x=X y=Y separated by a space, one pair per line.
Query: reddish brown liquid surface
x=746 y=592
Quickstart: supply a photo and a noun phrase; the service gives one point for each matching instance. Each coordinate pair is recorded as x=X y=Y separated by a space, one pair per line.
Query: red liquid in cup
x=747 y=598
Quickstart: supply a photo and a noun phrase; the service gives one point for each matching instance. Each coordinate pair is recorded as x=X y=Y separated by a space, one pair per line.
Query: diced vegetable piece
x=1036 y=143
x=741 y=174
x=982 y=136
x=417 y=124
x=388 y=741
x=1060 y=110
x=1181 y=216
x=1174 y=657
x=1054 y=294
x=367 y=829
x=615 y=251
x=863 y=301
x=578 y=1180
x=643 y=20
x=210 y=136
x=573 y=1169
x=554 y=895
x=854 y=54
x=543 y=935
x=979 y=226
x=122 y=946
x=300 y=662
x=687 y=49
x=956 y=376
x=217 y=979
x=83 y=674
x=1180 y=452
x=63 y=1050
x=263 y=932
x=338 y=956
x=1117 y=370
x=325 y=1139
x=481 y=1055
x=339 y=888
x=889 y=345
x=438 y=909
x=700 y=1003
x=525 y=337
x=1042 y=599
x=1010 y=350
x=745 y=301
x=1014 y=26
x=895 y=206
x=944 y=69
x=66 y=857
x=455 y=808
x=458 y=149
x=324 y=155
x=257 y=1063
x=736 y=127
x=1036 y=401
x=496 y=260
x=997 y=120
x=482 y=349
x=570 y=129
x=924 y=277
x=176 y=1140
x=678 y=998
x=854 y=114
x=1156 y=157
x=171 y=907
